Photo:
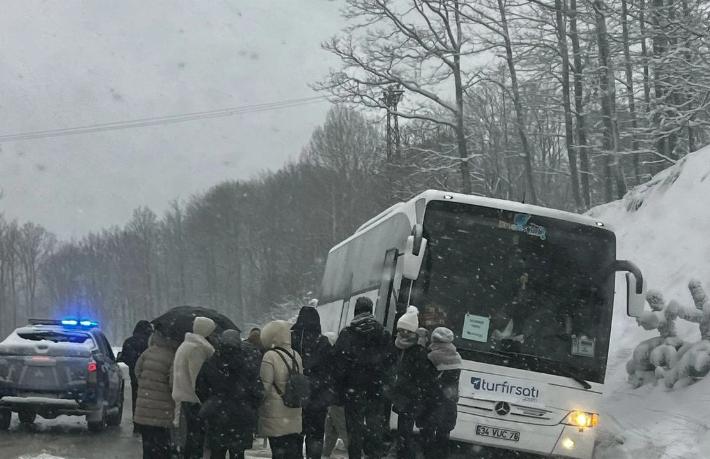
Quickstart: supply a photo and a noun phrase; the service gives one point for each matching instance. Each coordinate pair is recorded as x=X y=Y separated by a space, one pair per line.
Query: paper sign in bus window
x=583 y=346
x=475 y=328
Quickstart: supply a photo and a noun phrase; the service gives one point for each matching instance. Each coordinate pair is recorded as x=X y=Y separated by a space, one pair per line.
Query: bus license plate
x=495 y=432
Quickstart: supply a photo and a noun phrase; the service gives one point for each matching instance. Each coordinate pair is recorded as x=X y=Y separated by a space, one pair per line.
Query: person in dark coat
x=411 y=381
x=363 y=356
x=438 y=418
x=230 y=390
x=255 y=338
x=132 y=349
x=315 y=350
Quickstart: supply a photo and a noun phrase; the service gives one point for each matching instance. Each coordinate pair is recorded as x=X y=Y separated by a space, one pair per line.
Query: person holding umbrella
x=189 y=358
x=230 y=390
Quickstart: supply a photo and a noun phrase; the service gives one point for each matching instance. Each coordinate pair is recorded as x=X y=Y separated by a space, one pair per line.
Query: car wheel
x=5 y=418
x=97 y=425
x=115 y=419
x=27 y=417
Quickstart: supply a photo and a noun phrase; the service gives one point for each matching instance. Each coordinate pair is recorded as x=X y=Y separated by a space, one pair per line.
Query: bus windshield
x=519 y=290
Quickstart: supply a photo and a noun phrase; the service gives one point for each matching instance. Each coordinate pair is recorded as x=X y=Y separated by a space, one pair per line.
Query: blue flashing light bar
x=81 y=323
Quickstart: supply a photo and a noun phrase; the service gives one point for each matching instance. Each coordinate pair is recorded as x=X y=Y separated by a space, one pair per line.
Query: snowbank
x=663 y=227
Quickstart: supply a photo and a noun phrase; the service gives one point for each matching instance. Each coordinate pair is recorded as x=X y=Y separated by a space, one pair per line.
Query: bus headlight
x=582 y=419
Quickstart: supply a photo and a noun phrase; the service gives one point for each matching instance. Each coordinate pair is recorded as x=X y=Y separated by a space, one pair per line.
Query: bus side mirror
x=412 y=262
x=635 y=288
x=635 y=301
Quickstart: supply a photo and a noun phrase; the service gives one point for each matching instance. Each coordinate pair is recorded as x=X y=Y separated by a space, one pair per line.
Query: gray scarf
x=405 y=342
x=444 y=356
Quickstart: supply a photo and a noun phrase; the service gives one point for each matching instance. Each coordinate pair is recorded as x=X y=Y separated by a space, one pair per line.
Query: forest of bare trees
x=562 y=103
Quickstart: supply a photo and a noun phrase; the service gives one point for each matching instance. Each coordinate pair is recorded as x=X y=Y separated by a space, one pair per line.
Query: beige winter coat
x=275 y=419
x=154 y=406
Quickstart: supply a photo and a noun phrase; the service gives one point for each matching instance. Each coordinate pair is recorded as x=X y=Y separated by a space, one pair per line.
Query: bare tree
x=419 y=46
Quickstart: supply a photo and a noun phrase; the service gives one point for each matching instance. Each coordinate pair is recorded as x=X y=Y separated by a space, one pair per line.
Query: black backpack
x=298 y=388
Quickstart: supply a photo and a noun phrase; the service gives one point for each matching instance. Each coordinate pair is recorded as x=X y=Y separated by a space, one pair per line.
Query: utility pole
x=390 y=98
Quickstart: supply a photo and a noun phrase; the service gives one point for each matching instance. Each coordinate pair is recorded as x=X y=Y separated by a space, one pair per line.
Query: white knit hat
x=203 y=326
x=409 y=320
x=442 y=335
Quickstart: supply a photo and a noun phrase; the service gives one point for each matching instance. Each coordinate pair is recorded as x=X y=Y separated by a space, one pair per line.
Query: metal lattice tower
x=390 y=98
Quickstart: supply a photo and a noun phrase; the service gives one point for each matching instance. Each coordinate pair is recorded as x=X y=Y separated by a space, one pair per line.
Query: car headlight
x=582 y=419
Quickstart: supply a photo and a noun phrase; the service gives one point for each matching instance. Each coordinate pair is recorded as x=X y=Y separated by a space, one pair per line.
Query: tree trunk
x=518 y=106
x=607 y=95
x=460 y=129
x=644 y=56
x=659 y=49
x=569 y=133
x=630 y=91
x=579 y=106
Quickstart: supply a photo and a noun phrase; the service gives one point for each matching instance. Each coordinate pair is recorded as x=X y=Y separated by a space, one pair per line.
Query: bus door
x=386 y=307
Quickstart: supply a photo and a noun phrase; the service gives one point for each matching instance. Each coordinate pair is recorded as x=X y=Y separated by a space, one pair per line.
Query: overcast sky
x=66 y=64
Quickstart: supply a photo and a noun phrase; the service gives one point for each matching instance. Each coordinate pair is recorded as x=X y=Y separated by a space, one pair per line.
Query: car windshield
x=536 y=291
x=57 y=337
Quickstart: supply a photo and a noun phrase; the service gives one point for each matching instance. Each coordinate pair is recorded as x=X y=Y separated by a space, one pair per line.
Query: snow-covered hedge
x=677 y=362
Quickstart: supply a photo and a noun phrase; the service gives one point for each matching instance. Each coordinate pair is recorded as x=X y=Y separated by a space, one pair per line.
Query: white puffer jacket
x=190 y=356
x=154 y=406
x=275 y=418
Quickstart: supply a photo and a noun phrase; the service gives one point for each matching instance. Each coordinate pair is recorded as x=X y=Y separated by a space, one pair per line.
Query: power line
x=162 y=120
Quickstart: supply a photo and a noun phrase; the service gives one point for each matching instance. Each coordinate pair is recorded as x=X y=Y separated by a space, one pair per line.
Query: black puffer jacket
x=412 y=380
x=230 y=390
x=316 y=352
x=363 y=358
x=136 y=344
x=440 y=406
x=441 y=400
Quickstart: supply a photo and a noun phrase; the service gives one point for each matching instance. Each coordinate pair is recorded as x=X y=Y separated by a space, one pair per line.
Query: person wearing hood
x=409 y=388
x=154 y=404
x=189 y=358
x=315 y=350
x=363 y=355
x=281 y=424
x=230 y=390
x=132 y=349
x=438 y=418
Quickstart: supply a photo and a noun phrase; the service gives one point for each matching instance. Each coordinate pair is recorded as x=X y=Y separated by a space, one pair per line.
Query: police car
x=54 y=367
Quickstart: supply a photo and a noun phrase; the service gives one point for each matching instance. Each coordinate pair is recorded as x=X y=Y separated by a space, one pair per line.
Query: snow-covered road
x=67 y=437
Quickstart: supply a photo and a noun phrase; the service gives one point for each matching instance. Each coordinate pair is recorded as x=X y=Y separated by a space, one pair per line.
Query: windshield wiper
x=559 y=368
x=568 y=370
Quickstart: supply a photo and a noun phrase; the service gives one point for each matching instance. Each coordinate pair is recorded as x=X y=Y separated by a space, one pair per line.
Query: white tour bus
x=528 y=292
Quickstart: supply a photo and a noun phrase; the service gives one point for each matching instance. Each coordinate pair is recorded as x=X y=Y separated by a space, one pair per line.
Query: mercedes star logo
x=502 y=408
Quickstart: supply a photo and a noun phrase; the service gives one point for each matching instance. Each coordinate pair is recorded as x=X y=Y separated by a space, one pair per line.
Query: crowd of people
x=210 y=395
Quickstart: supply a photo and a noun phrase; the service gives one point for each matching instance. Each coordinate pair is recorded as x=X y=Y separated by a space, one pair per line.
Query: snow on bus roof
x=438 y=195
x=513 y=206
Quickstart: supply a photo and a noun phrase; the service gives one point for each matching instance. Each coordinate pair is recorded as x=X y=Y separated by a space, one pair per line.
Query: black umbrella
x=178 y=321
